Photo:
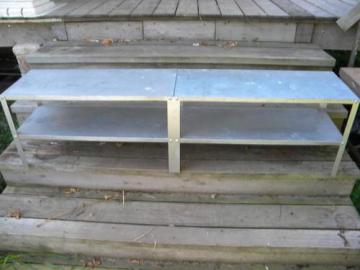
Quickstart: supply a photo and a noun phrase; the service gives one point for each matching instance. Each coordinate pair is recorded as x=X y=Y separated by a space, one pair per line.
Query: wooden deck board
x=145 y=8
x=327 y=7
x=181 y=55
x=313 y=9
x=237 y=170
x=83 y=10
x=106 y=8
x=271 y=9
x=183 y=214
x=180 y=243
x=187 y=8
x=166 y=8
x=250 y=8
x=215 y=8
x=178 y=197
x=292 y=9
x=229 y=8
x=208 y=8
x=126 y=8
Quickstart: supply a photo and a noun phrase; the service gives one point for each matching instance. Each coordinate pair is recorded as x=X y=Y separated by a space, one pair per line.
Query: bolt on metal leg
x=12 y=127
x=173 y=121
x=349 y=124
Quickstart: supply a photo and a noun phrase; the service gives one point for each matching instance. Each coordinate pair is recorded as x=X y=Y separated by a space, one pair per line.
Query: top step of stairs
x=226 y=54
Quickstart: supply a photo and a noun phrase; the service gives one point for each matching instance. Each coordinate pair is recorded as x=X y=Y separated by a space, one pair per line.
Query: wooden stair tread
x=180 y=243
x=115 y=210
x=181 y=55
x=236 y=233
x=207 y=169
x=178 y=197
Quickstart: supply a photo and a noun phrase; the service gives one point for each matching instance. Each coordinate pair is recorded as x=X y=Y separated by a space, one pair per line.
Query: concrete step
x=227 y=55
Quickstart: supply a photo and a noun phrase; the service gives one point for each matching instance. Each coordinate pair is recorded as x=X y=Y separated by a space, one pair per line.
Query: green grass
x=5 y=139
x=5 y=135
x=355 y=195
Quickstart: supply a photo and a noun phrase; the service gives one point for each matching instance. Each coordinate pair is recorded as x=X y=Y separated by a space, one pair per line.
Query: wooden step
x=270 y=234
x=209 y=169
x=235 y=55
x=178 y=197
x=214 y=215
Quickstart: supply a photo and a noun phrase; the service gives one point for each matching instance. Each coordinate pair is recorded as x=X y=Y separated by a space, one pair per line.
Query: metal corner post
x=349 y=124
x=14 y=134
x=173 y=121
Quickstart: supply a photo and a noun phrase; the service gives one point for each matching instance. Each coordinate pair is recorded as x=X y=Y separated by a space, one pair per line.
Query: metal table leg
x=173 y=121
x=11 y=124
x=349 y=124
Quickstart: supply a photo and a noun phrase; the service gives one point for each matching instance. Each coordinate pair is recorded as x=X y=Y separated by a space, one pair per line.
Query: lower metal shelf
x=199 y=124
x=96 y=123
x=267 y=126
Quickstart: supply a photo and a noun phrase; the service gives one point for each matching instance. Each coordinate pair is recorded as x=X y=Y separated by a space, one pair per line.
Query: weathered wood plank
x=88 y=7
x=145 y=265
x=229 y=8
x=348 y=20
x=145 y=8
x=106 y=8
x=177 y=197
x=182 y=54
x=271 y=9
x=108 y=210
x=166 y=8
x=67 y=8
x=292 y=9
x=250 y=8
x=126 y=8
x=351 y=76
x=304 y=32
x=208 y=8
x=187 y=8
x=313 y=9
x=176 y=243
x=327 y=7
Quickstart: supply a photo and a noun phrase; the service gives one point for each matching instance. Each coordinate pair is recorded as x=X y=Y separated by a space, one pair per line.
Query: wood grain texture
x=351 y=76
x=187 y=8
x=292 y=9
x=229 y=8
x=145 y=8
x=126 y=8
x=208 y=8
x=351 y=18
x=314 y=9
x=237 y=170
x=178 y=197
x=250 y=8
x=285 y=57
x=193 y=244
x=166 y=8
x=106 y=8
x=108 y=210
x=270 y=8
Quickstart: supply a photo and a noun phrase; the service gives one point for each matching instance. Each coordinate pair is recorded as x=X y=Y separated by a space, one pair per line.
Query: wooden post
x=355 y=49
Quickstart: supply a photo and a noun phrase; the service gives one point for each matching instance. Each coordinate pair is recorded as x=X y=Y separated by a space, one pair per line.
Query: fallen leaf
x=15 y=213
x=71 y=190
x=106 y=42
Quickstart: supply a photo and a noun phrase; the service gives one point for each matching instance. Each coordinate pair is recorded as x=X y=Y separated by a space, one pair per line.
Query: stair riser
x=250 y=185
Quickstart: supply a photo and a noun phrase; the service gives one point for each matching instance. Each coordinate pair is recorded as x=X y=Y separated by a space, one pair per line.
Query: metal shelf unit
x=169 y=110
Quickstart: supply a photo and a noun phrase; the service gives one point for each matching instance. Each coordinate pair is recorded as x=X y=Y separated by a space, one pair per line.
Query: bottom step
x=181 y=243
x=180 y=232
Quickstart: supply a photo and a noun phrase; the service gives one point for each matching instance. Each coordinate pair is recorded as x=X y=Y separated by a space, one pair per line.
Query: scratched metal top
x=94 y=84
x=185 y=84
x=262 y=86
